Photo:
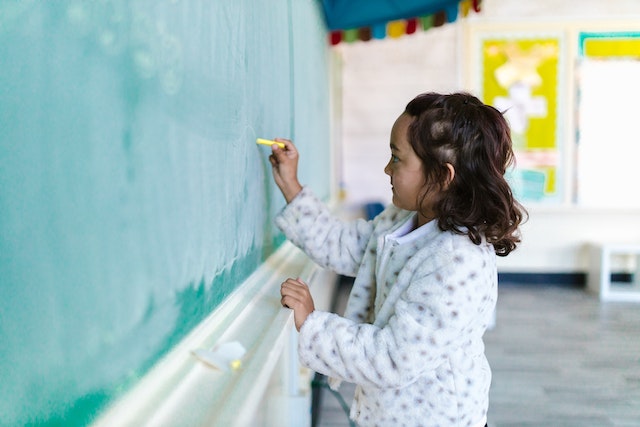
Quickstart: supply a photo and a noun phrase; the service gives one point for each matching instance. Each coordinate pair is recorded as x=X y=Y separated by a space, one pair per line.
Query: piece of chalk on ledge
x=224 y=357
x=269 y=142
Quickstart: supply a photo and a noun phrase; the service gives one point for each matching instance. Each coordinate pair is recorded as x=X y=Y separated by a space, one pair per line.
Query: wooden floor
x=560 y=358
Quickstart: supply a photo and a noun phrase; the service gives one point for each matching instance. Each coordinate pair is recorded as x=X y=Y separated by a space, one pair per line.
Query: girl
x=425 y=269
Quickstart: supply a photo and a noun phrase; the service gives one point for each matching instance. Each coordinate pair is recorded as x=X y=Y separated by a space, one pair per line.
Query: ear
x=452 y=173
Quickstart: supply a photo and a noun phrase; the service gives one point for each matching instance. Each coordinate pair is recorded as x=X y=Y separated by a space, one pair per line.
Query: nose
x=387 y=168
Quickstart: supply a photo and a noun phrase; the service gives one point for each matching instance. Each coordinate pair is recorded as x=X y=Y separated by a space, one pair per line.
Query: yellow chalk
x=269 y=142
x=235 y=364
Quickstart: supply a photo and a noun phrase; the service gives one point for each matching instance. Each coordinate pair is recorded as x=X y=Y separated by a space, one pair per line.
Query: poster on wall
x=608 y=144
x=520 y=76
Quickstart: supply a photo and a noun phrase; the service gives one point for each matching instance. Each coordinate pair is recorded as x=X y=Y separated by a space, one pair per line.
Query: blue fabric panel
x=345 y=14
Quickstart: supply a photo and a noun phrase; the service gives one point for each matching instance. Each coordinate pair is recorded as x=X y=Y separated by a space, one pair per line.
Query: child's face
x=405 y=170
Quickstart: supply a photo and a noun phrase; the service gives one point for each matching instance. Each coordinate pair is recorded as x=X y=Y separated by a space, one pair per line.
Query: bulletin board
x=520 y=73
x=568 y=90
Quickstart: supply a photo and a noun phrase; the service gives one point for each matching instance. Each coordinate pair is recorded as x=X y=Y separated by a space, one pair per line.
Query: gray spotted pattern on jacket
x=411 y=340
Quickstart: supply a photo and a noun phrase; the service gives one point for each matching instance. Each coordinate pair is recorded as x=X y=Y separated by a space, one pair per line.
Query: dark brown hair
x=475 y=138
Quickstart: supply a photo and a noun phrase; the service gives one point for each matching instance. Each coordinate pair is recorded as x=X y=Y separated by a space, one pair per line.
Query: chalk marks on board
x=121 y=28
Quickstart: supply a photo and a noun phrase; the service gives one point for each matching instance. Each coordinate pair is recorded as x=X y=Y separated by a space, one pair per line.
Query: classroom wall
x=134 y=197
x=381 y=76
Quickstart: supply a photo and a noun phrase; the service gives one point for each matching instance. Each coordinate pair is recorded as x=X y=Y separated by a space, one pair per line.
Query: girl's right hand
x=296 y=296
x=284 y=165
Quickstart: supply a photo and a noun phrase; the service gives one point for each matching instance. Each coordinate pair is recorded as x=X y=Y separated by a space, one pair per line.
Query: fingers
x=282 y=155
x=296 y=295
x=288 y=145
x=273 y=160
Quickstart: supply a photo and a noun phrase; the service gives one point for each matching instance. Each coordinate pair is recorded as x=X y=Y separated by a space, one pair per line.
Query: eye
x=394 y=159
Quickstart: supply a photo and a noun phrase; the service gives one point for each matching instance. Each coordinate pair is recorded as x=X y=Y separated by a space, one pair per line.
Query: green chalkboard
x=134 y=198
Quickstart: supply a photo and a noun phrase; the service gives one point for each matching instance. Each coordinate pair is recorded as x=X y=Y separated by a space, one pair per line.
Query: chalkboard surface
x=134 y=198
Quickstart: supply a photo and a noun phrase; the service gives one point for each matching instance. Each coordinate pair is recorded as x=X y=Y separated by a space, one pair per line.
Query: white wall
x=381 y=76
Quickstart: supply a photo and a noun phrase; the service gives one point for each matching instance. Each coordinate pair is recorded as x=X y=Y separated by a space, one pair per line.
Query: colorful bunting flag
x=398 y=28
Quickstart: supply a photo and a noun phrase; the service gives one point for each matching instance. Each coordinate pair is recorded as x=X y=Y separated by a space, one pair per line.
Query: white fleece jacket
x=411 y=338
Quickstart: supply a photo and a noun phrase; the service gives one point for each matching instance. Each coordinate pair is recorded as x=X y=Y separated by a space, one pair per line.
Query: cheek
x=403 y=176
x=413 y=184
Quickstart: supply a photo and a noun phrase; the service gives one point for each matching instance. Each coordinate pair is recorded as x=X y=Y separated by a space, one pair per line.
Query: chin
x=398 y=205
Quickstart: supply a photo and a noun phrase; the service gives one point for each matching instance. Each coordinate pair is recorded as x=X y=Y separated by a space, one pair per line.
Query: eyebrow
x=393 y=147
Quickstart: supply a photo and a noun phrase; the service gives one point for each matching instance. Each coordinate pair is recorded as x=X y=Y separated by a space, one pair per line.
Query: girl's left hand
x=296 y=296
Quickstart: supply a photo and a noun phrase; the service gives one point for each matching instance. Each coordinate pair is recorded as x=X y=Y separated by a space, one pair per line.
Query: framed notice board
x=520 y=73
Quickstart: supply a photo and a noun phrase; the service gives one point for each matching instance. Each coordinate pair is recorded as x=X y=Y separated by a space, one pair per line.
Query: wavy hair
x=475 y=139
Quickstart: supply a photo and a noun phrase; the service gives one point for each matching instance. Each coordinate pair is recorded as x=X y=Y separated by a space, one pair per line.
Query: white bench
x=621 y=257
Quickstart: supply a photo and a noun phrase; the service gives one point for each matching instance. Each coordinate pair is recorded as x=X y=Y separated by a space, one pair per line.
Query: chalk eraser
x=269 y=142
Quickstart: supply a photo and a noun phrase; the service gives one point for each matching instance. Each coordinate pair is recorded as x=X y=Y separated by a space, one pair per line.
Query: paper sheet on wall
x=608 y=142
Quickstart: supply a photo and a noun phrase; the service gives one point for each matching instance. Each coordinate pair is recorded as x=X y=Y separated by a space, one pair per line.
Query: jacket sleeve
x=441 y=306
x=328 y=241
